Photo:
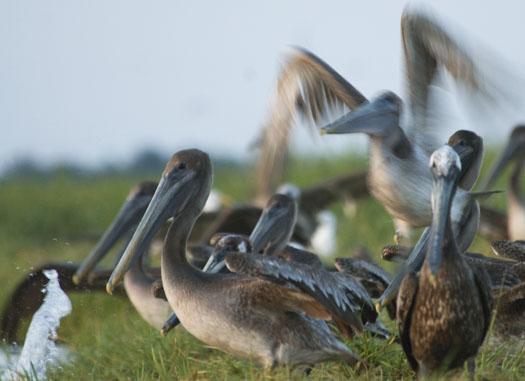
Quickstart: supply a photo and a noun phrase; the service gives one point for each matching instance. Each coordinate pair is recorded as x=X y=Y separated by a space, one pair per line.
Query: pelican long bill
x=444 y=189
x=166 y=202
x=372 y=118
x=127 y=217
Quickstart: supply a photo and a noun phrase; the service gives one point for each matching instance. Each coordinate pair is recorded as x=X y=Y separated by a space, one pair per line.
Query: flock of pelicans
x=262 y=295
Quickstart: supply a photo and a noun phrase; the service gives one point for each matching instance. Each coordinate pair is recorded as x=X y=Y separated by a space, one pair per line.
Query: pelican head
x=275 y=226
x=182 y=191
x=445 y=166
x=127 y=218
x=375 y=118
x=514 y=150
x=469 y=146
x=224 y=244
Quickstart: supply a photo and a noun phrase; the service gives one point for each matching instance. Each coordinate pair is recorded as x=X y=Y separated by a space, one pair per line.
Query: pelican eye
x=462 y=142
x=182 y=165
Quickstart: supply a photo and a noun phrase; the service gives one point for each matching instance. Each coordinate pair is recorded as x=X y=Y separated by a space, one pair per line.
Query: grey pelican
x=514 y=151
x=240 y=314
x=444 y=311
x=398 y=176
x=465 y=210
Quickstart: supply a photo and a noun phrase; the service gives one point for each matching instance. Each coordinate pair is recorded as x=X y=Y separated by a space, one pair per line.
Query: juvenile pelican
x=270 y=236
x=509 y=249
x=514 y=151
x=240 y=314
x=502 y=272
x=398 y=176
x=444 y=311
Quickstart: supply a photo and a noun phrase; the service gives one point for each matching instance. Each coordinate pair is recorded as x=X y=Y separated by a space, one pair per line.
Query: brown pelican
x=372 y=276
x=270 y=237
x=514 y=151
x=398 y=176
x=509 y=249
x=507 y=283
x=502 y=272
x=465 y=212
x=444 y=311
x=510 y=311
x=240 y=314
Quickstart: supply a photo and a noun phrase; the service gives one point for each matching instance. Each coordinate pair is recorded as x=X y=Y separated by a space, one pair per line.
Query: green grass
x=60 y=219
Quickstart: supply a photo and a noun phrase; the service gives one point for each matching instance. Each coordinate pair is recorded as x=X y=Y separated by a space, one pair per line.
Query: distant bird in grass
x=241 y=314
x=444 y=311
x=514 y=151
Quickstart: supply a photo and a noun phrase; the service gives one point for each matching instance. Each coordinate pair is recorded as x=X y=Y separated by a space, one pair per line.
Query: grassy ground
x=61 y=219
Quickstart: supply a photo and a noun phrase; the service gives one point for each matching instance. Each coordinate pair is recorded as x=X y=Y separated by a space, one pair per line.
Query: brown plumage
x=239 y=314
x=443 y=311
x=509 y=249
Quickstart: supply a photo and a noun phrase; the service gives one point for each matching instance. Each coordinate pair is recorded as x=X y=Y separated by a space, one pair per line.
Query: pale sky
x=94 y=81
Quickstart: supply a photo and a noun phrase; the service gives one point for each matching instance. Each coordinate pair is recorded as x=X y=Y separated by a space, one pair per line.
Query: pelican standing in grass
x=443 y=311
x=240 y=314
x=513 y=151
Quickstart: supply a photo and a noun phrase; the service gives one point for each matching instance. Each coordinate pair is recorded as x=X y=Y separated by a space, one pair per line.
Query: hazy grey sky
x=94 y=81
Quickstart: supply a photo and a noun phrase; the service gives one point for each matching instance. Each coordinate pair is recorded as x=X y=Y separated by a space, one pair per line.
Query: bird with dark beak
x=240 y=314
x=465 y=212
x=444 y=311
x=514 y=151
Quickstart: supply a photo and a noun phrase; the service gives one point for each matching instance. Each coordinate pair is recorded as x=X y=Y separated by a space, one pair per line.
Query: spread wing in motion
x=509 y=249
x=306 y=87
x=343 y=298
x=427 y=45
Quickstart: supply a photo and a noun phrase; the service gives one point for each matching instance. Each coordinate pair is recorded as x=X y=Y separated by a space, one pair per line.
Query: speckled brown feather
x=307 y=86
x=405 y=302
x=509 y=249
